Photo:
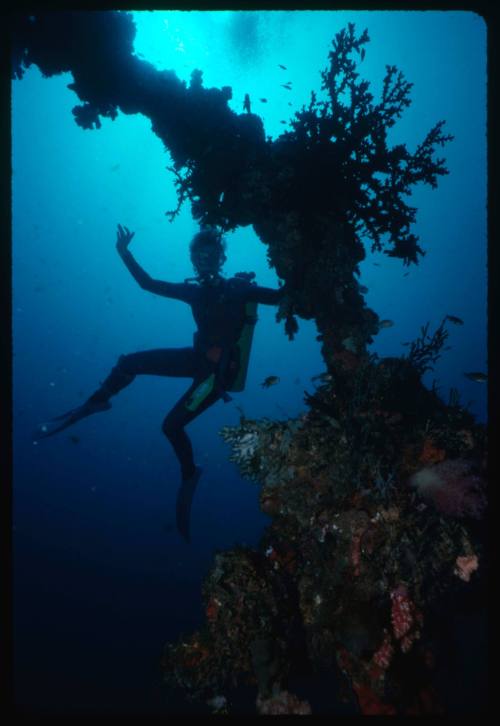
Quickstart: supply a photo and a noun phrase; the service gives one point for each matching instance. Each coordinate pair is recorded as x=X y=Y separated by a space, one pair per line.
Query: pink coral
x=408 y=640
x=453 y=488
x=401 y=611
x=384 y=654
x=405 y=618
x=465 y=566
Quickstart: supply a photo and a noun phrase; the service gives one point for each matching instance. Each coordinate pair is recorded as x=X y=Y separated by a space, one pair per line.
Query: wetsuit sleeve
x=177 y=290
x=264 y=295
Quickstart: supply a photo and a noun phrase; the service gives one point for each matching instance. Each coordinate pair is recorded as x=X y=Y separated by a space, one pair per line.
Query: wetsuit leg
x=202 y=393
x=181 y=362
x=176 y=362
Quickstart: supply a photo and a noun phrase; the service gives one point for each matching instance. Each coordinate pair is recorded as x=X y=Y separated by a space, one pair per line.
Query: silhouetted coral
x=314 y=195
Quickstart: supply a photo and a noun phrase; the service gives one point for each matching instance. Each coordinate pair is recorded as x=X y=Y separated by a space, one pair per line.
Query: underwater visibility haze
x=103 y=579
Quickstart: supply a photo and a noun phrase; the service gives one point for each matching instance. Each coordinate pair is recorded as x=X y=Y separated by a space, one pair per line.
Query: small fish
x=322 y=377
x=270 y=381
x=284 y=67
x=477 y=376
x=454 y=319
x=406 y=274
x=385 y=324
x=407 y=343
x=75 y=439
x=167 y=528
x=288 y=88
x=377 y=264
x=297 y=381
x=363 y=288
x=362 y=54
x=282 y=122
x=289 y=103
x=263 y=100
x=115 y=167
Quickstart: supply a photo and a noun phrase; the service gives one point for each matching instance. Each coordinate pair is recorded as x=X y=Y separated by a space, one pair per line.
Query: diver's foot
x=49 y=428
x=184 y=500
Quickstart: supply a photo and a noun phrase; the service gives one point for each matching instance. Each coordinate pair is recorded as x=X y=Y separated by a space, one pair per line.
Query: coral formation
x=466 y=566
x=358 y=557
x=453 y=487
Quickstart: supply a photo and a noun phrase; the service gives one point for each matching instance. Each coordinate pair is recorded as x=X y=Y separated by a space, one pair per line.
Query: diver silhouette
x=224 y=311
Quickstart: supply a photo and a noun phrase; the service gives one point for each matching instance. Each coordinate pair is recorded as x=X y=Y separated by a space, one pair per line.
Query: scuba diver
x=224 y=311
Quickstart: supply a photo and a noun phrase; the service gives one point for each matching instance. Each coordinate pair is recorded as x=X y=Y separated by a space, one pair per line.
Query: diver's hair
x=208 y=237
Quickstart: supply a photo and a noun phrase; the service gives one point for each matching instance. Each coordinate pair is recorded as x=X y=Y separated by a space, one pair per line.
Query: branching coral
x=426 y=350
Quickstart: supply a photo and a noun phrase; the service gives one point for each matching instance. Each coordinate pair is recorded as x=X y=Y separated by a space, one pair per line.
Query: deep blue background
x=101 y=578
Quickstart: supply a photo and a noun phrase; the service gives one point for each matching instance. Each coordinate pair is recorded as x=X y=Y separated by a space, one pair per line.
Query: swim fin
x=58 y=423
x=184 y=501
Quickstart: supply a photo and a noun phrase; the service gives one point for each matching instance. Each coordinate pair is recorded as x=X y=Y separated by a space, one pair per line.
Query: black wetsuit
x=219 y=312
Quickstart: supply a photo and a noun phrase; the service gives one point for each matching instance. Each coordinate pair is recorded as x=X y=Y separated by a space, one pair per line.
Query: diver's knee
x=168 y=428
x=122 y=362
x=124 y=365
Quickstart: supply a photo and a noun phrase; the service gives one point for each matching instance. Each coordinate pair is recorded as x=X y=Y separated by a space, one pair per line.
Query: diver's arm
x=265 y=295
x=176 y=290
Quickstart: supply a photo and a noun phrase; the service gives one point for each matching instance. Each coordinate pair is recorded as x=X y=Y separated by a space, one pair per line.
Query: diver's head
x=207 y=250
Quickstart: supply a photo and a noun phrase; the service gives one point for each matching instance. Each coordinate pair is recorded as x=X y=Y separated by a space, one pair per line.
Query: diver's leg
x=161 y=362
x=200 y=395
x=177 y=362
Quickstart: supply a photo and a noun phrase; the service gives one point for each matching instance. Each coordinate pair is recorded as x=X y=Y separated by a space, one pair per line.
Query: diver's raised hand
x=123 y=238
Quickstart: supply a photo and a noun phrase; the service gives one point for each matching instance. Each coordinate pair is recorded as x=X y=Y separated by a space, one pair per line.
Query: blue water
x=101 y=578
